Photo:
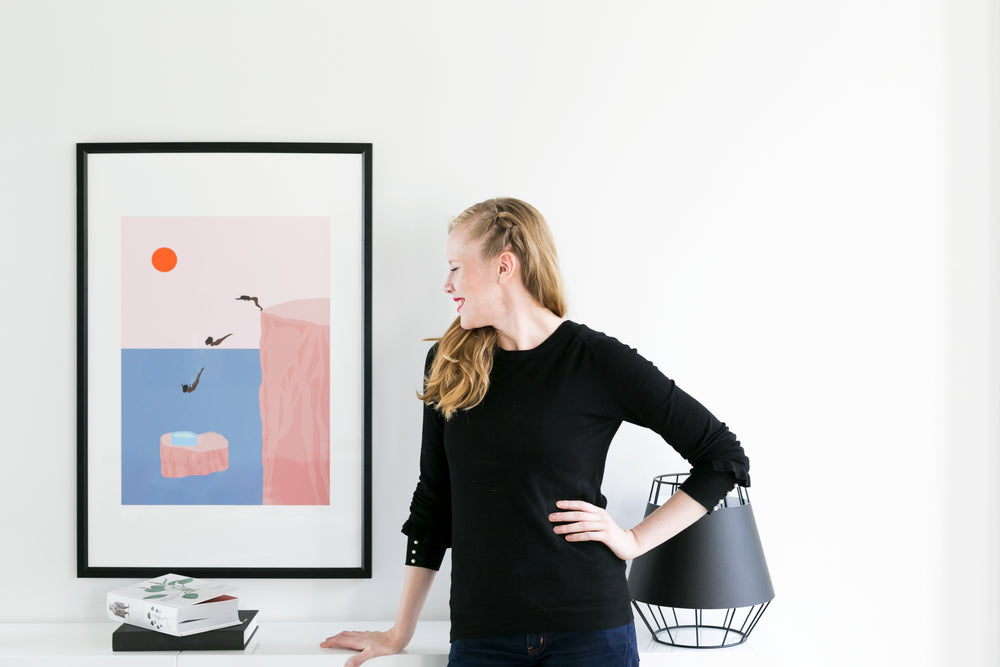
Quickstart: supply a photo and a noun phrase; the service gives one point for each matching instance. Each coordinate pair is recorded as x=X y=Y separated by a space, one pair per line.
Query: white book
x=175 y=605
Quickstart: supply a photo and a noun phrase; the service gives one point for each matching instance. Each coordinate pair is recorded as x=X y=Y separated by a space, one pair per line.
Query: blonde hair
x=459 y=376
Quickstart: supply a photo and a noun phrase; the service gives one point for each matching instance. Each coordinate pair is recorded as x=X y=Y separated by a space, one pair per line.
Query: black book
x=234 y=638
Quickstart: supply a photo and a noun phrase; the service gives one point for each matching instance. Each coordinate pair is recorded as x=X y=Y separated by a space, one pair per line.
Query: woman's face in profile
x=472 y=281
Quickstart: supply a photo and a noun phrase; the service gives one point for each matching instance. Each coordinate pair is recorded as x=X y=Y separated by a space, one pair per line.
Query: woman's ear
x=506 y=266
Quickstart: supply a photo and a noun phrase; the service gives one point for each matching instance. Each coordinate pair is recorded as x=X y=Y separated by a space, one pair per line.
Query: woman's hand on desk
x=371 y=644
x=416 y=585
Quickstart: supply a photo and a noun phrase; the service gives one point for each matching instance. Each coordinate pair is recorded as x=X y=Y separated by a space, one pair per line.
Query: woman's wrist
x=636 y=547
x=399 y=637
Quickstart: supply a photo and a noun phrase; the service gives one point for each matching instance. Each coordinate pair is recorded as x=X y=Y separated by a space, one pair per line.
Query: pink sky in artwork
x=275 y=259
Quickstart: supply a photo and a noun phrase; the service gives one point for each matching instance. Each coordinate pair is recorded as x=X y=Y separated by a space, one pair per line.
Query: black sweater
x=490 y=476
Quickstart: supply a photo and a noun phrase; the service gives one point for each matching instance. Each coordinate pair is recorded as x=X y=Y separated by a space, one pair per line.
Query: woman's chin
x=468 y=323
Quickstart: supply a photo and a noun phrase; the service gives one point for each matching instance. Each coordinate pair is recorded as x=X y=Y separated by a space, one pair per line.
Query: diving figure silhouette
x=249 y=298
x=194 y=385
x=215 y=341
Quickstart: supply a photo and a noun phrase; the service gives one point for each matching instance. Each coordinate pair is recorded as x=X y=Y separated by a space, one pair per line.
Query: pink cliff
x=295 y=402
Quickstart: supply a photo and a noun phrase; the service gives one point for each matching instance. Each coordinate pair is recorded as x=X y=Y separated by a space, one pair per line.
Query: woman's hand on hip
x=583 y=522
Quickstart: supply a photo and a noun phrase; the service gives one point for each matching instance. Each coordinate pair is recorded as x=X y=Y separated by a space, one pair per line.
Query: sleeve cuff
x=422 y=553
x=708 y=487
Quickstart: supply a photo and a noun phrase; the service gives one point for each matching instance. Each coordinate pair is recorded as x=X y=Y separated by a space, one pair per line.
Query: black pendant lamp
x=707 y=586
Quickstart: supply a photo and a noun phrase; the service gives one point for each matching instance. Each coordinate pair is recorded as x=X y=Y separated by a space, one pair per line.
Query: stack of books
x=177 y=613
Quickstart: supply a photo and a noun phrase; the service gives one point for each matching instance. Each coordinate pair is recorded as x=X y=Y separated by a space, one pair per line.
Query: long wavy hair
x=459 y=375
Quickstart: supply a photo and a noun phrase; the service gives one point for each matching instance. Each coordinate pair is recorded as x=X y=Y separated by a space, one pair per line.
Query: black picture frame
x=275 y=190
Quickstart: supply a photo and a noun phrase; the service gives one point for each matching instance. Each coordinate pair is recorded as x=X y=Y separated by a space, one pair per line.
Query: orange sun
x=164 y=259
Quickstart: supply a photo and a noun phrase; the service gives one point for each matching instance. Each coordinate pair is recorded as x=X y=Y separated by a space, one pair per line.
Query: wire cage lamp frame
x=709 y=585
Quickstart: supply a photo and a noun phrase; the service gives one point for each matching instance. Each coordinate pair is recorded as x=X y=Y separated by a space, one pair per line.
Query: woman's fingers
x=370 y=645
x=582 y=522
x=579 y=517
x=566 y=517
x=576 y=505
x=580 y=527
x=593 y=528
x=347 y=639
x=360 y=658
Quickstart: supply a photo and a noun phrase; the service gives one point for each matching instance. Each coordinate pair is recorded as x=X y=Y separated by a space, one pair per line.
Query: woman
x=521 y=405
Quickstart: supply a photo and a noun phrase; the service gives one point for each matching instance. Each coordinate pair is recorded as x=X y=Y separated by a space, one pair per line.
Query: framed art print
x=224 y=359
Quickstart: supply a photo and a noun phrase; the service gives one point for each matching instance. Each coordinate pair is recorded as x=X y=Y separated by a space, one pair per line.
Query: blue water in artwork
x=226 y=400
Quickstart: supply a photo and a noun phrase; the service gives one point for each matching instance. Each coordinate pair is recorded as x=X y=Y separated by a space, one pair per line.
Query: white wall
x=790 y=207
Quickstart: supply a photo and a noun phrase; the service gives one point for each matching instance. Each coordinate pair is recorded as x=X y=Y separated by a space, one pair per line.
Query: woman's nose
x=448 y=287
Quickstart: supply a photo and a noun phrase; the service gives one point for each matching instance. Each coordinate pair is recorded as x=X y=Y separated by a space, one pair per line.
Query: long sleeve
x=429 y=524
x=634 y=388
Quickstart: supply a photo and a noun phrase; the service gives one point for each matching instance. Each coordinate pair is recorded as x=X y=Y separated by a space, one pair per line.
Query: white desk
x=292 y=644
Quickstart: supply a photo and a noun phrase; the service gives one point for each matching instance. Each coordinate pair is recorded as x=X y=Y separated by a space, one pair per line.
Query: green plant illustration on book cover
x=177 y=586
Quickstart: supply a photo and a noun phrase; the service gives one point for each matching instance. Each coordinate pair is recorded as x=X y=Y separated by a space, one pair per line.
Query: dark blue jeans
x=600 y=648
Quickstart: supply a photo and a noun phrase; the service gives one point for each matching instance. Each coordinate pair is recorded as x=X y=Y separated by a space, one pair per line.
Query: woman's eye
x=453 y=269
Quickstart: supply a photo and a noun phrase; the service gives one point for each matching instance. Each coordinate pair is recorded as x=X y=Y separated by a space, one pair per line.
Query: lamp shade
x=717 y=563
